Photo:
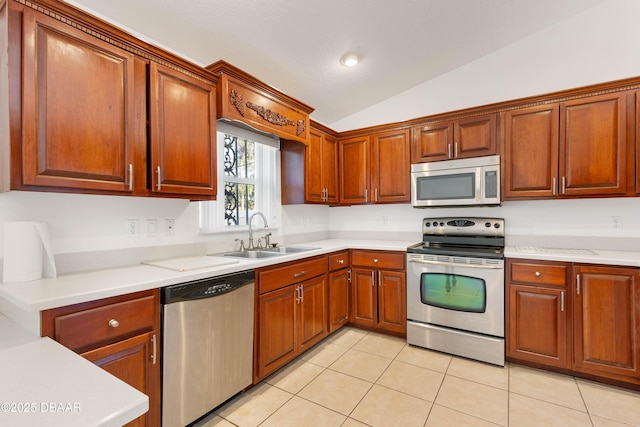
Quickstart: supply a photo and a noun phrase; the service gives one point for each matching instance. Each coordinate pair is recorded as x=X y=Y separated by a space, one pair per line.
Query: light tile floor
x=358 y=378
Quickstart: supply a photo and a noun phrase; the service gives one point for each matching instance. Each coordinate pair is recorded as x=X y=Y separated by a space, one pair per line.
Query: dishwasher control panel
x=207 y=288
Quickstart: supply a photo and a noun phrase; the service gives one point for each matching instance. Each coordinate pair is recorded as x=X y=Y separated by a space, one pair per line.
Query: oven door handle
x=455 y=264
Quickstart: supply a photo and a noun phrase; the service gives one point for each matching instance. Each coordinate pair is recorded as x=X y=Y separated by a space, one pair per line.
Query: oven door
x=456 y=292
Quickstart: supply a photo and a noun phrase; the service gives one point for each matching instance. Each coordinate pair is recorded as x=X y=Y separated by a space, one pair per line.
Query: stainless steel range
x=455 y=288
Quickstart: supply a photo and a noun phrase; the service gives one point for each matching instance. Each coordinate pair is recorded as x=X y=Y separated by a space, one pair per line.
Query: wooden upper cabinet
x=580 y=147
x=593 y=145
x=353 y=155
x=432 y=142
x=390 y=167
x=183 y=133
x=375 y=168
x=475 y=137
x=530 y=163
x=244 y=98
x=83 y=108
x=455 y=139
x=321 y=168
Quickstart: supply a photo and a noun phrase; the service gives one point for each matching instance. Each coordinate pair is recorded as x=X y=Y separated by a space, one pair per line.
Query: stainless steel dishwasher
x=207 y=345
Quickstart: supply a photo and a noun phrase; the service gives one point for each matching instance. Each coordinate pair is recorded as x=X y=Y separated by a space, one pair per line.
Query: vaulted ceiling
x=296 y=45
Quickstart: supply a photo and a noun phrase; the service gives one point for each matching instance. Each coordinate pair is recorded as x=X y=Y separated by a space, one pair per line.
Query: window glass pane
x=240 y=201
x=453 y=292
x=239 y=157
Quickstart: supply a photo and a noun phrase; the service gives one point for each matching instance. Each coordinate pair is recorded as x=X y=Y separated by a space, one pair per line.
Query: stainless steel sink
x=289 y=249
x=269 y=252
x=250 y=254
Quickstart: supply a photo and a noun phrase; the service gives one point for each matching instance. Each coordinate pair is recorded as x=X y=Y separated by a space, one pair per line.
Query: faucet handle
x=242 y=248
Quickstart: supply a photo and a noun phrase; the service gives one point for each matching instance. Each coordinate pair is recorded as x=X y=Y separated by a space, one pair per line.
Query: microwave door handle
x=480 y=196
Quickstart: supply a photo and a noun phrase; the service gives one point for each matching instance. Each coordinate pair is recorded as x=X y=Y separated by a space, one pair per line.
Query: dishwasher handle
x=207 y=288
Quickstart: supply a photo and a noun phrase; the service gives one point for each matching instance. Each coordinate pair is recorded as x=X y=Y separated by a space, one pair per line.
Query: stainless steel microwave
x=464 y=182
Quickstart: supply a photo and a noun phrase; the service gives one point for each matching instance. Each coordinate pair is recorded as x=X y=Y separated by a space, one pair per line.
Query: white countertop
x=46 y=384
x=588 y=256
x=46 y=293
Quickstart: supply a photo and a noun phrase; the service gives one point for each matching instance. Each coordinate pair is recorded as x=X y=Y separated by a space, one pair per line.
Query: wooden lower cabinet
x=580 y=318
x=119 y=334
x=291 y=318
x=339 y=279
x=378 y=295
x=606 y=322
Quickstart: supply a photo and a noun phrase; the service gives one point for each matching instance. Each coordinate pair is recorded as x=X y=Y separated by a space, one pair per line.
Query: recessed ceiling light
x=350 y=59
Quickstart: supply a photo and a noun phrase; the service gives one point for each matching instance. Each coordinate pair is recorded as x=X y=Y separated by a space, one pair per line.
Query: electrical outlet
x=170 y=227
x=133 y=227
x=616 y=222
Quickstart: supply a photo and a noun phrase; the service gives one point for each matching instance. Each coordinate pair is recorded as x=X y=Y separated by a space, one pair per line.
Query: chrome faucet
x=250 y=245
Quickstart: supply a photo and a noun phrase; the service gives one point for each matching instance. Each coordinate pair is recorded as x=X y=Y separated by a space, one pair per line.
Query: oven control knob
x=496 y=225
x=435 y=224
x=487 y=224
x=442 y=224
x=427 y=224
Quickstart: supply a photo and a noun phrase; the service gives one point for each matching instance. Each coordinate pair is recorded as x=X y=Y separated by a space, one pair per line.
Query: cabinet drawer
x=544 y=274
x=375 y=259
x=338 y=261
x=276 y=278
x=102 y=325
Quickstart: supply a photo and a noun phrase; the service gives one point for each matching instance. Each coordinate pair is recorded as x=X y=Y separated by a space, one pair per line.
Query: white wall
x=598 y=45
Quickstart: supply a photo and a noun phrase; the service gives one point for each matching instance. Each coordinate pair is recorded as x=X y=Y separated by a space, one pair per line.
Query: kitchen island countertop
x=44 y=383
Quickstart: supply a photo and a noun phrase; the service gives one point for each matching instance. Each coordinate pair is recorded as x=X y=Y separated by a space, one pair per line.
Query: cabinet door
x=390 y=167
x=364 y=297
x=432 y=143
x=134 y=362
x=330 y=168
x=392 y=301
x=321 y=168
x=606 y=321
x=538 y=329
x=530 y=164
x=183 y=134
x=354 y=170
x=312 y=321
x=314 y=188
x=475 y=137
x=593 y=144
x=338 y=299
x=276 y=326
x=83 y=109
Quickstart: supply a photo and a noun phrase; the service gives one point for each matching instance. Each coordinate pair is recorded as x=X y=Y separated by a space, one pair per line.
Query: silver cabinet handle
x=300 y=274
x=449 y=151
x=562 y=301
x=130 y=176
x=373 y=278
x=553 y=186
x=349 y=275
x=375 y=194
x=379 y=278
x=114 y=323
x=563 y=185
x=366 y=194
x=538 y=274
x=578 y=284
x=153 y=355
x=455 y=150
x=375 y=260
x=340 y=261
x=159 y=185
x=298 y=294
x=301 y=293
